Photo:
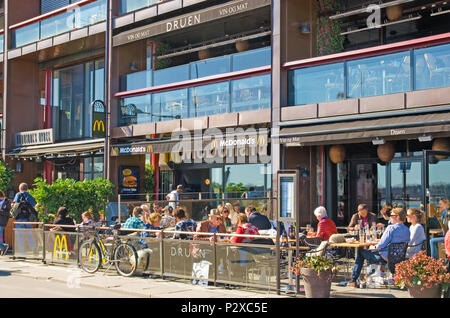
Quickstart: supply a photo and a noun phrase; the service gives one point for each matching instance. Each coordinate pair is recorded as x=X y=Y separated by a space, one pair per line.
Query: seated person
x=326 y=226
x=244 y=228
x=87 y=219
x=145 y=213
x=234 y=213
x=397 y=232
x=444 y=205
x=154 y=224
x=168 y=220
x=364 y=216
x=225 y=216
x=257 y=219
x=135 y=220
x=183 y=225
x=157 y=208
x=63 y=219
x=385 y=215
x=212 y=225
x=417 y=233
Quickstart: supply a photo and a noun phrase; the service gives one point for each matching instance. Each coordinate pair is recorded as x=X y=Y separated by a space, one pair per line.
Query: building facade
x=220 y=96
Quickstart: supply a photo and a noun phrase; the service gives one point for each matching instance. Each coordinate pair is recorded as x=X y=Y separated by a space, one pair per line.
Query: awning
x=390 y=128
x=74 y=147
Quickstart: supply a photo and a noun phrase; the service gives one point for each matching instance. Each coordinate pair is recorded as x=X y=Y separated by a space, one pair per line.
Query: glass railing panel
x=92 y=13
x=251 y=59
x=171 y=75
x=218 y=65
x=432 y=67
x=251 y=93
x=64 y=22
x=170 y=105
x=2 y=21
x=380 y=75
x=127 y=6
x=209 y=100
x=25 y=35
x=135 y=110
x=136 y=80
x=317 y=84
x=2 y=42
x=58 y=24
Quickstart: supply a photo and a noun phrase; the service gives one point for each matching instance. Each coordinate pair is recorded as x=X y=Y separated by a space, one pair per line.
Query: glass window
x=387 y=74
x=209 y=99
x=90 y=14
x=136 y=80
x=252 y=59
x=317 y=84
x=25 y=35
x=58 y=24
x=432 y=67
x=170 y=105
x=134 y=110
x=251 y=93
x=74 y=89
x=92 y=168
x=247 y=178
x=406 y=183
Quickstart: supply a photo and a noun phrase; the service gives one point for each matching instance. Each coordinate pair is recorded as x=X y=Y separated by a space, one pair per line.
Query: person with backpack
x=23 y=211
x=5 y=207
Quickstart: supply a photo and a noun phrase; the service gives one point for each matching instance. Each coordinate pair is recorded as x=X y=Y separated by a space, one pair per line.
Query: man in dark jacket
x=257 y=219
x=5 y=207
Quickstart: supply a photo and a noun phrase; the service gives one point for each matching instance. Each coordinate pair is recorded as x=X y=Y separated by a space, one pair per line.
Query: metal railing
x=211 y=258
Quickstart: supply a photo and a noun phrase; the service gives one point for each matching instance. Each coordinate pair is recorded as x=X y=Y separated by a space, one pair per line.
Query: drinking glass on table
x=309 y=228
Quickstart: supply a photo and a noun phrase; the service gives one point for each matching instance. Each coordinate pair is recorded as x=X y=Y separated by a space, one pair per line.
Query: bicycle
x=93 y=253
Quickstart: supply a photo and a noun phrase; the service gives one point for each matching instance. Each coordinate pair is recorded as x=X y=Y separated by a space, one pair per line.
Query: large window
x=93 y=168
x=74 y=88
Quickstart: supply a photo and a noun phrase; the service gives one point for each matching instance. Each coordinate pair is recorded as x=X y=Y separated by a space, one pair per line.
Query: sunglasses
x=225 y=211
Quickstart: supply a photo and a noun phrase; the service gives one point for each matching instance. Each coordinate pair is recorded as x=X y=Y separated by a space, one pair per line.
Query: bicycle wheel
x=89 y=256
x=125 y=259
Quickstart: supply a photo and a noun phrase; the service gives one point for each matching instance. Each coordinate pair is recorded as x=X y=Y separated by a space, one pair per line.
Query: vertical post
x=5 y=79
x=77 y=243
x=108 y=63
x=215 y=259
x=278 y=257
x=43 y=243
x=48 y=168
x=118 y=210
x=155 y=164
x=161 y=254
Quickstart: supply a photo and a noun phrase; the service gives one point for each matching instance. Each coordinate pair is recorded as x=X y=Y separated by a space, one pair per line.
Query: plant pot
x=316 y=286
x=432 y=292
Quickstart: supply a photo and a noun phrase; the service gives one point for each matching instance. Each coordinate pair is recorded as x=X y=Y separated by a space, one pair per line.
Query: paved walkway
x=140 y=286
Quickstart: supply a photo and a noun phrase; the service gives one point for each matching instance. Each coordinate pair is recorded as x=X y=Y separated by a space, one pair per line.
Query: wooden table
x=435 y=231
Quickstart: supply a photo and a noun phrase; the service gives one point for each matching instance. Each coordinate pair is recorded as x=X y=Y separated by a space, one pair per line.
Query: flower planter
x=431 y=292
x=316 y=286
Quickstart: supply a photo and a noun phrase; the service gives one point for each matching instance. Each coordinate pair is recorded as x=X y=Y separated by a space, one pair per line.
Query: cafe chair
x=422 y=245
x=396 y=254
x=312 y=242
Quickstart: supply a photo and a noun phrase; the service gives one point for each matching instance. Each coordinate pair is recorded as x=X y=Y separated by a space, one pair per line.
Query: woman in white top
x=415 y=217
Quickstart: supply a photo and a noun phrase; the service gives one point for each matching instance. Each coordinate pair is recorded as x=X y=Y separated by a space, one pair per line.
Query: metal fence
x=213 y=258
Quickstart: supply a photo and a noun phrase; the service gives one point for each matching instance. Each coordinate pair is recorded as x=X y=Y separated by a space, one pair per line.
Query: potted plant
x=317 y=272
x=423 y=275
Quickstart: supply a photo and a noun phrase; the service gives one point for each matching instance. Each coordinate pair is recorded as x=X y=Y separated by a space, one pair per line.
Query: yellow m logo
x=214 y=144
x=149 y=149
x=261 y=140
x=97 y=125
x=60 y=247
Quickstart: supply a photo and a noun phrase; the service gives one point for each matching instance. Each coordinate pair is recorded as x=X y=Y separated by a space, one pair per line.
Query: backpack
x=24 y=210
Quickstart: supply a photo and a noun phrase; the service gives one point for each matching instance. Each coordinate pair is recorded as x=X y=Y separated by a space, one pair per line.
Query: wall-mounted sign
x=187 y=20
x=35 y=137
x=98 y=119
x=129 y=180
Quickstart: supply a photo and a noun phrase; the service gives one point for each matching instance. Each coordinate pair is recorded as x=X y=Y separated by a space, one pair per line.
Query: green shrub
x=76 y=196
x=6 y=176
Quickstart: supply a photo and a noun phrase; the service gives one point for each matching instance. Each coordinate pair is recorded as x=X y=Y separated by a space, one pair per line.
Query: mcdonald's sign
x=98 y=124
x=60 y=249
x=261 y=141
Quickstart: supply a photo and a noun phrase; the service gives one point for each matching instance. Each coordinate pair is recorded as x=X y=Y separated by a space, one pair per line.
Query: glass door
x=406 y=183
x=437 y=187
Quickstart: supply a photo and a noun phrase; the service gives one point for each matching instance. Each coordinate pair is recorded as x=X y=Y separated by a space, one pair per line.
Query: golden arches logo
x=60 y=247
x=214 y=144
x=98 y=124
x=149 y=148
x=261 y=140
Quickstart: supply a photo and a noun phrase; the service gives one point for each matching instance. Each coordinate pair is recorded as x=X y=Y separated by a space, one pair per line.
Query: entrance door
x=437 y=186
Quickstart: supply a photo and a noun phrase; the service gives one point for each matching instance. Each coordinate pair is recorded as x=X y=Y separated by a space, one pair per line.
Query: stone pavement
x=143 y=287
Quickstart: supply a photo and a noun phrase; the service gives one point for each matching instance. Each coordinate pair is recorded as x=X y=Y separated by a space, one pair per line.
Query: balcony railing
x=2 y=42
x=414 y=69
x=127 y=6
x=74 y=17
x=195 y=70
x=251 y=93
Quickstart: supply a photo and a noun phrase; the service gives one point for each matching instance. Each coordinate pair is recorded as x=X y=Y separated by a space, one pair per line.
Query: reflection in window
x=170 y=105
x=438 y=179
x=387 y=74
x=317 y=84
x=250 y=179
x=135 y=110
x=93 y=168
x=432 y=67
x=209 y=99
x=251 y=93
x=132 y=5
x=252 y=59
x=218 y=65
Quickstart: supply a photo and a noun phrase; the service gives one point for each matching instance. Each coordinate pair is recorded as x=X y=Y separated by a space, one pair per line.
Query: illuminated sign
x=60 y=249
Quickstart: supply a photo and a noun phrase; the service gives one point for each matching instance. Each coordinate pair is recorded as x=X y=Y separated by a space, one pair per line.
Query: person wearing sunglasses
x=397 y=232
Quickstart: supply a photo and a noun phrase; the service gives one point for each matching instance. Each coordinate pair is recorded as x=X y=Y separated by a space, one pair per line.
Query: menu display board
x=129 y=181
